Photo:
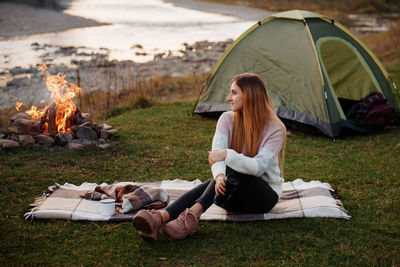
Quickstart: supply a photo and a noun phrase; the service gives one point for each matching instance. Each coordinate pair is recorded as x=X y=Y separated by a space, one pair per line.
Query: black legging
x=252 y=196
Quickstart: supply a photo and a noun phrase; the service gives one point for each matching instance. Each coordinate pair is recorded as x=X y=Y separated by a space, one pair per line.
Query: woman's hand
x=216 y=155
x=220 y=184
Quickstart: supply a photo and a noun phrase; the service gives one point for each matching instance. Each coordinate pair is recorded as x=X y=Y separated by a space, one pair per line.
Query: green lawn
x=165 y=142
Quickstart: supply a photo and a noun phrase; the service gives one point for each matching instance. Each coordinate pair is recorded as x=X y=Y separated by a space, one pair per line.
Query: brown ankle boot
x=185 y=224
x=148 y=223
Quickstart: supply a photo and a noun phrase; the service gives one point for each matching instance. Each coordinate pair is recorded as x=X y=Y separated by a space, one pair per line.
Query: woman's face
x=235 y=98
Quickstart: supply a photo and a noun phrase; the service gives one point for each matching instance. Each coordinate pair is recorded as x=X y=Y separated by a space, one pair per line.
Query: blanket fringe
x=38 y=201
x=335 y=193
x=33 y=207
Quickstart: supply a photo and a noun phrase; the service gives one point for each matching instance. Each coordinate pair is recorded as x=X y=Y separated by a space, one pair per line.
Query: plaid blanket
x=299 y=199
x=130 y=196
x=73 y=202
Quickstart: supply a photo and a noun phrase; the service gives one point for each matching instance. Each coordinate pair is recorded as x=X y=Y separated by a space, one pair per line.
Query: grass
x=165 y=142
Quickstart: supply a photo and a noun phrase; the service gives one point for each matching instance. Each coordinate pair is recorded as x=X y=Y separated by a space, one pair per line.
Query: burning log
x=75 y=119
x=49 y=121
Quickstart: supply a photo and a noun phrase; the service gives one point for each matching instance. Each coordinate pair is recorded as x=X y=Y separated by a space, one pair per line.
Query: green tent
x=314 y=69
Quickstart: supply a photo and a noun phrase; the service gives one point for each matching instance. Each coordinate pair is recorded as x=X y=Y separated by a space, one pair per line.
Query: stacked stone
x=25 y=132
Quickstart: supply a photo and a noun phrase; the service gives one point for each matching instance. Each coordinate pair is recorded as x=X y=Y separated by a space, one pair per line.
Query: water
x=153 y=24
x=137 y=30
x=366 y=24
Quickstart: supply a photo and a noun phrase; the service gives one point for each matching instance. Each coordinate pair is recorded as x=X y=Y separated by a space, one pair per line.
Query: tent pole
x=205 y=84
x=396 y=90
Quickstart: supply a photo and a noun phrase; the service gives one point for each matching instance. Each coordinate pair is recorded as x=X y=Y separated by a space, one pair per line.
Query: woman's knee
x=257 y=200
x=258 y=207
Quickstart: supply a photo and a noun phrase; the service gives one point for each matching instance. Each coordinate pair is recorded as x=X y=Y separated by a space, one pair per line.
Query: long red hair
x=256 y=114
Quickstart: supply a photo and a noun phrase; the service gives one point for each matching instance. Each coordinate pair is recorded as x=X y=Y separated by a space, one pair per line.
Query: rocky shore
x=97 y=73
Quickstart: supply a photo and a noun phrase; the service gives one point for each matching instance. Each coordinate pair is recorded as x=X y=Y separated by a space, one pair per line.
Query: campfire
x=59 y=123
x=61 y=114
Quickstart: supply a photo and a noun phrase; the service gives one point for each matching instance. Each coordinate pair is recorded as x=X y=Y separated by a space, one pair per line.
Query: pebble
x=113 y=131
x=106 y=126
x=103 y=146
x=73 y=145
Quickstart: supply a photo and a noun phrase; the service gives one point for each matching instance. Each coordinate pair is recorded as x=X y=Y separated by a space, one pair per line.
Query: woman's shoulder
x=226 y=116
x=225 y=122
x=275 y=127
x=278 y=124
x=274 y=136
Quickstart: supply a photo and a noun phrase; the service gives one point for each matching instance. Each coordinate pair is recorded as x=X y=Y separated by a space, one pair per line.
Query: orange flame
x=62 y=94
x=35 y=113
x=18 y=106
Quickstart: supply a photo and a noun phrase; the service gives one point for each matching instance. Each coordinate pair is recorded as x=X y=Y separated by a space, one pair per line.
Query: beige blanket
x=299 y=199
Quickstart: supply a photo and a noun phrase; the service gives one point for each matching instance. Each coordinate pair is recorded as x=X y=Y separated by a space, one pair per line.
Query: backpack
x=372 y=110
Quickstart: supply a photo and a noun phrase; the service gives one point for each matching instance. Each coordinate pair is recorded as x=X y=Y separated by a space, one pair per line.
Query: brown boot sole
x=142 y=225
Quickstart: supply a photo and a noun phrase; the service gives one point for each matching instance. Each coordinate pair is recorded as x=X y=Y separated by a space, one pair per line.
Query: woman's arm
x=216 y=155
x=218 y=166
x=259 y=164
x=254 y=166
x=221 y=141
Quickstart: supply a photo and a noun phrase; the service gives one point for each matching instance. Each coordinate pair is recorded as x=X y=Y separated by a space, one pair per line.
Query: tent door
x=347 y=73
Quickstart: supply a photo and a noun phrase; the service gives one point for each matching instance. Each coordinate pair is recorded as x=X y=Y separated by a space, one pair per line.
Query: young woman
x=246 y=145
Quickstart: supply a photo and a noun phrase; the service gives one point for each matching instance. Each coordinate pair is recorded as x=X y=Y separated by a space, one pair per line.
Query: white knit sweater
x=264 y=164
